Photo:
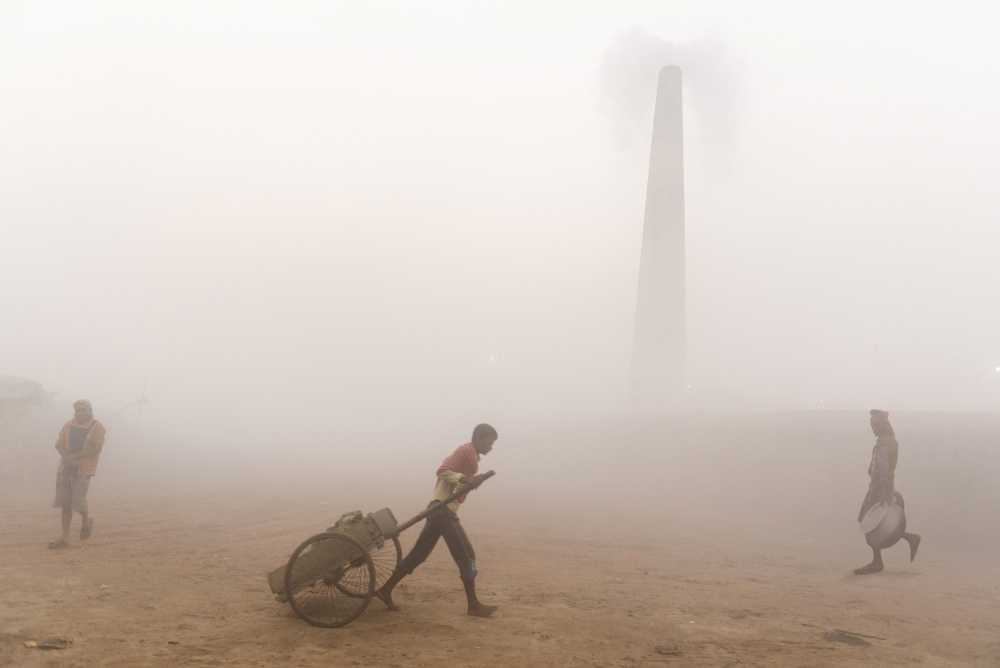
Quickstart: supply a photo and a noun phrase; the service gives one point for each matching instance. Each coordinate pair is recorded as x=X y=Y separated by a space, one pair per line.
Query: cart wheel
x=386 y=558
x=320 y=573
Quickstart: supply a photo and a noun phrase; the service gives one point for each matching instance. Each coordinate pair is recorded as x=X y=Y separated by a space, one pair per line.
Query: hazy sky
x=292 y=213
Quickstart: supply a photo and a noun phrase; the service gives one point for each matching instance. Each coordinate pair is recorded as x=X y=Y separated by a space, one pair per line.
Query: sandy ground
x=629 y=567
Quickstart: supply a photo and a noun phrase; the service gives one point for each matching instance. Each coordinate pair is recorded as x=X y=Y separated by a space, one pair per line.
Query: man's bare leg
x=475 y=607
x=67 y=519
x=873 y=567
x=384 y=594
x=914 y=540
x=85 y=528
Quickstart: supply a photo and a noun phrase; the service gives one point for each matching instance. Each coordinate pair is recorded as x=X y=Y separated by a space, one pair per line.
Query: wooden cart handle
x=400 y=528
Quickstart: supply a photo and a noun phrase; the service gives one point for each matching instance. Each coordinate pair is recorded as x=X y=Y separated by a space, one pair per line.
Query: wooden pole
x=400 y=528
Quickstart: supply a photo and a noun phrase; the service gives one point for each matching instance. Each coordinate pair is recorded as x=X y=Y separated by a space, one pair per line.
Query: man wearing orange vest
x=80 y=442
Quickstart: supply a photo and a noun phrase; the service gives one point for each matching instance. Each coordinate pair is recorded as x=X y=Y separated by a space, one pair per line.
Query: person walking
x=458 y=469
x=80 y=443
x=881 y=489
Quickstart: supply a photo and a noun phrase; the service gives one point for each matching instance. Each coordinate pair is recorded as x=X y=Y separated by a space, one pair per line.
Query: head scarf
x=882 y=418
x=83 y=405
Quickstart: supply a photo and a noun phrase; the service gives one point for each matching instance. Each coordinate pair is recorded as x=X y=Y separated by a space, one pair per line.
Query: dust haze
x=294 y=252
x=302 y=237
x=276 y=208
x=323 y=242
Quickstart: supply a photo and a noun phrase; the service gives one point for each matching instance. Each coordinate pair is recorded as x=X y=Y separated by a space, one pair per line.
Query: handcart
x=331 y=578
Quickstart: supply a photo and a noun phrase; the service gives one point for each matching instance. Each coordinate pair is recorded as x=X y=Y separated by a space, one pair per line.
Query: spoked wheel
x=386 y=558
x=320 y=573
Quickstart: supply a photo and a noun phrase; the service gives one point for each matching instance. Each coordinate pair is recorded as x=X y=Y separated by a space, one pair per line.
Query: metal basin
x=883 y=525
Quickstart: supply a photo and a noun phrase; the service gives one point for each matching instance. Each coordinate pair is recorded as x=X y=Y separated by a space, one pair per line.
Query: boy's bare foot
x=870 y=568
x=482 y=610
x=386 y=597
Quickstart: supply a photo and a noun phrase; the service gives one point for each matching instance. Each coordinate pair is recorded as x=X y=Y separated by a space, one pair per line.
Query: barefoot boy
x=458 y=469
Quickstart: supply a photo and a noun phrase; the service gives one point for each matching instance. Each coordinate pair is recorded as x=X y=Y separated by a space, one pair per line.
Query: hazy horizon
x=294 y=214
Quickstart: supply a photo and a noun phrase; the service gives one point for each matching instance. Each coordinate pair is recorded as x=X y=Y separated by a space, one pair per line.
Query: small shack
x=17 y=396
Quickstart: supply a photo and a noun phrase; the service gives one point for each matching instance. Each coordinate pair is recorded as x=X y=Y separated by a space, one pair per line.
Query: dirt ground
x=175 y=574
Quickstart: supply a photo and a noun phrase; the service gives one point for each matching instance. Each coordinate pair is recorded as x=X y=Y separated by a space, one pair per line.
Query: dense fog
x=342 y=235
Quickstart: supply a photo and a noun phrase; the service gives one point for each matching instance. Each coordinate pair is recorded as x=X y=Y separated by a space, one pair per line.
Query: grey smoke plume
x=712 y=79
